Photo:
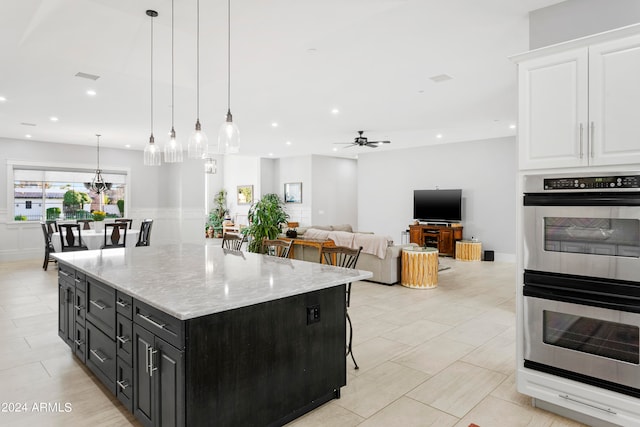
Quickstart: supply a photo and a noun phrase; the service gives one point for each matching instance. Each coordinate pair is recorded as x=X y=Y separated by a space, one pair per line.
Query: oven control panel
x=593 y=183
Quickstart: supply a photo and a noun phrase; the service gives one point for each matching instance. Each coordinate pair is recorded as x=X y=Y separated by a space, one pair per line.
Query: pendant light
x=152 y=155
x=198 y=141
x=210 y=166
x=173 y=148
x=229 y=135
x=97 y=184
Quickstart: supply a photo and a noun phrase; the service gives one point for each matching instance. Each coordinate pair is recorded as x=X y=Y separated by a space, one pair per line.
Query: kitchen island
x=194 y=335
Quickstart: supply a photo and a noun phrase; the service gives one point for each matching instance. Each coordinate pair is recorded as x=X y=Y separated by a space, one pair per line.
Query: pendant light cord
x=198 y=61
x=172 y=86
x=229 y=55
x=98 y=162
x=151 y=75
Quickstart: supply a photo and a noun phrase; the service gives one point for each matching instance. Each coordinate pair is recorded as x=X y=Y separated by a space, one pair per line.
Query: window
x=41 y=194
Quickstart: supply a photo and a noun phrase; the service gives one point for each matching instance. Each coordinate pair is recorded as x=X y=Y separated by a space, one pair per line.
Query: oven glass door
x=583 y=240
x=593 y=341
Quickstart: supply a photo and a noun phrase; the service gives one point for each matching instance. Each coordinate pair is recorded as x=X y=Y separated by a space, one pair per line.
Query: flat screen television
x=437 y=205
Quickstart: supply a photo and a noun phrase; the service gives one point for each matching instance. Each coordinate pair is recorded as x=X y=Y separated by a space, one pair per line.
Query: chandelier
x=97 y=184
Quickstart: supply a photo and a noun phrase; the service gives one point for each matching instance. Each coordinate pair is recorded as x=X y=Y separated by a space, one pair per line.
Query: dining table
x=94 y=239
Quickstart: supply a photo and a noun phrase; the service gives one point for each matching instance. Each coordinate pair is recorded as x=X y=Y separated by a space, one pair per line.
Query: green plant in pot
x=266 y=218
x=219 y=212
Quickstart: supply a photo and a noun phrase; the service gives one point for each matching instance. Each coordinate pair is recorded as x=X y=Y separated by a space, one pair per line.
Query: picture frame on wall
x=245 y=194
x=293 y=192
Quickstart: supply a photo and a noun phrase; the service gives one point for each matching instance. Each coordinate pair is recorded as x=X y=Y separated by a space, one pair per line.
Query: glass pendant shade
x=229 y=137
x=152 y=155
x=210 y=166
x=197 y=145
x=173 y=149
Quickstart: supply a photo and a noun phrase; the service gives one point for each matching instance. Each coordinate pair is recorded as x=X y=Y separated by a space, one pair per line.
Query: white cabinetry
x=579 y=107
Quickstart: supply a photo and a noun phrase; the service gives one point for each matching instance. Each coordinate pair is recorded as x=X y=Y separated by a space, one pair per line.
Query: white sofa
x=382 y=258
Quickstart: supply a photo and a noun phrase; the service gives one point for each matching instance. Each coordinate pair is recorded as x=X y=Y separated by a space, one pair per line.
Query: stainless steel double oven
x=582 y=278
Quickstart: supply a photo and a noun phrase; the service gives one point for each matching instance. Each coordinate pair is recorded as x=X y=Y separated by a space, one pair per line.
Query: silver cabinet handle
x=122 y=384
x=79 y=307
x=123 y=340
x=567 y=397
x=146 y=359
x=151 y=367
x=122 y=304
x=77 y=280
x=581 y=140
x=591 y=141
x=100 y=305
x=148 y=319
x=64 y=273
x=102 y=360
x=79 y=342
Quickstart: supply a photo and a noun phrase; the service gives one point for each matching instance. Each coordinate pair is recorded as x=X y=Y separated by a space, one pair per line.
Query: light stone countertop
x=190 y=280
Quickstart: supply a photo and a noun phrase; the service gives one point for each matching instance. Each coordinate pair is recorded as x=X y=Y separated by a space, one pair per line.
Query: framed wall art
x=245 y=194
x=293 y=192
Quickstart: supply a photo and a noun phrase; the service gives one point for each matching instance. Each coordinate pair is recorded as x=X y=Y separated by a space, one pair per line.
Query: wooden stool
x=468 y=250
x=419 y=268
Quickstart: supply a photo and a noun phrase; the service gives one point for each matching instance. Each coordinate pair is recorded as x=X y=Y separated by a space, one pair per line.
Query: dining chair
x=52 y=226
x=125 y=220
x=342 y=256
x=48 y=246
x=233 y=241
x=115 y=235
x=279 y=248
x=144 y=238
x=71 y=238
x=86 y=223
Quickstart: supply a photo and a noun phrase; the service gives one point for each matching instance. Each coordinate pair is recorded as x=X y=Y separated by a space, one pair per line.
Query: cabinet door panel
x=169 y=384
x=614 y=101
x=143 y=391
x=553 y=116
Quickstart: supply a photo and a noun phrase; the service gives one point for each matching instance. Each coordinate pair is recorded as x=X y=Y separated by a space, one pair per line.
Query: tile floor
x=439 y=357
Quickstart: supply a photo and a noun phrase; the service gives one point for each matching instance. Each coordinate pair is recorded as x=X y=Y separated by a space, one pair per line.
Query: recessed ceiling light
x=335 y=111
x=53 y=119
x=270 y=154
x=27 y=136
x=2 y=99
x=288 y=142
x=127 y=146
x=91 y=92
x=512 y=126
x=335 y=149
x=274 y=124
x=439 y=136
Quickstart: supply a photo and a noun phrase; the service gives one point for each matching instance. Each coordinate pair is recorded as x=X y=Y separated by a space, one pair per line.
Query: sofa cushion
x=371 y=244
x=316 y=234
x=322 y=227
x=342 y=227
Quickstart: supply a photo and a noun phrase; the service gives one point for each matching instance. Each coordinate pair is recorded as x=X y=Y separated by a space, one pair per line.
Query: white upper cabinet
x=614 y=102
x=580 y=107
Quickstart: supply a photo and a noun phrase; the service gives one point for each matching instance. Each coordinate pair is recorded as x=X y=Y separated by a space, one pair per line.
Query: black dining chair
x=144 y=238
x=86 y=223
x=52 y=226
x=115 y=235
x=48 y=246
x=279 y=248
x=125 y=220
x=233 y=241
x=71 y=238
x=341 y=256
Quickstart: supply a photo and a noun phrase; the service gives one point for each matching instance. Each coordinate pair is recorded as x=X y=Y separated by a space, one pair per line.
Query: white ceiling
x=292 y=62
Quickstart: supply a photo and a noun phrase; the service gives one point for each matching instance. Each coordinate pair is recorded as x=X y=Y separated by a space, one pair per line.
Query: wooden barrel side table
x=419 y=268
x=468 y=250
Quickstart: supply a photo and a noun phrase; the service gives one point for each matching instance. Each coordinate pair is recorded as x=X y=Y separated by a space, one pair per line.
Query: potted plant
x=266 y=218
x=218 y=213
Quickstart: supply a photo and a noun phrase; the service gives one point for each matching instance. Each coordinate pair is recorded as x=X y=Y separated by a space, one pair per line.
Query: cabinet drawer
x=124 y=304
x=66 y=274
x=80 y=307
x=124 y=383
x=101 y=306
x=80 y=281
x=159 y=323
x=101 y=356
x=80 y=343
x=124 y=334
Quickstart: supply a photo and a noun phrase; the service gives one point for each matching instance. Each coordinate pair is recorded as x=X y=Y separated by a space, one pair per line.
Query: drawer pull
x=122 y=304
x=123 y=340
x=79 y=342
x=100 y=305
x=151 y=367
x=77 y=280
x=95 y=353
x=64 y=273
x=79 y=307
x=148 y=319
x=567 y=397
x=123 y=384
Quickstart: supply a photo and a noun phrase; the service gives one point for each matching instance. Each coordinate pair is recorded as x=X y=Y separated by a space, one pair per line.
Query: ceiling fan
x=362 y=141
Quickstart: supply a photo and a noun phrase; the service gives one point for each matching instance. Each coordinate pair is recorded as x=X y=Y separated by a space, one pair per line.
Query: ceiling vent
x=441 y=78
x=87 y=76
x=27 y=124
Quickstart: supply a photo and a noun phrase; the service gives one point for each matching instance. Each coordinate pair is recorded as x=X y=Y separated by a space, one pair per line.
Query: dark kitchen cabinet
x=66 y=312
x=158 y=368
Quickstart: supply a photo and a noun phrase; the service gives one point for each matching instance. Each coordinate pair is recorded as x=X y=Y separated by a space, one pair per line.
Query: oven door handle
x=609 y=302
x=595 y=198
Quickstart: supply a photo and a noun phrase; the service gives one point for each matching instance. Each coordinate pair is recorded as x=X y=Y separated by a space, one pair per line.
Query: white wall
x=170 y=194
x=484 y=170
x=335 y=191
x=572 y=19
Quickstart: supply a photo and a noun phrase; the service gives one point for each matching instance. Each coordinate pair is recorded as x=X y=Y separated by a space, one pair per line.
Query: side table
x=419 y=268
x=468 y=250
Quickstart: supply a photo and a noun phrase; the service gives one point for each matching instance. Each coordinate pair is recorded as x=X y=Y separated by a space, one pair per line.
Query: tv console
x=441 y=237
